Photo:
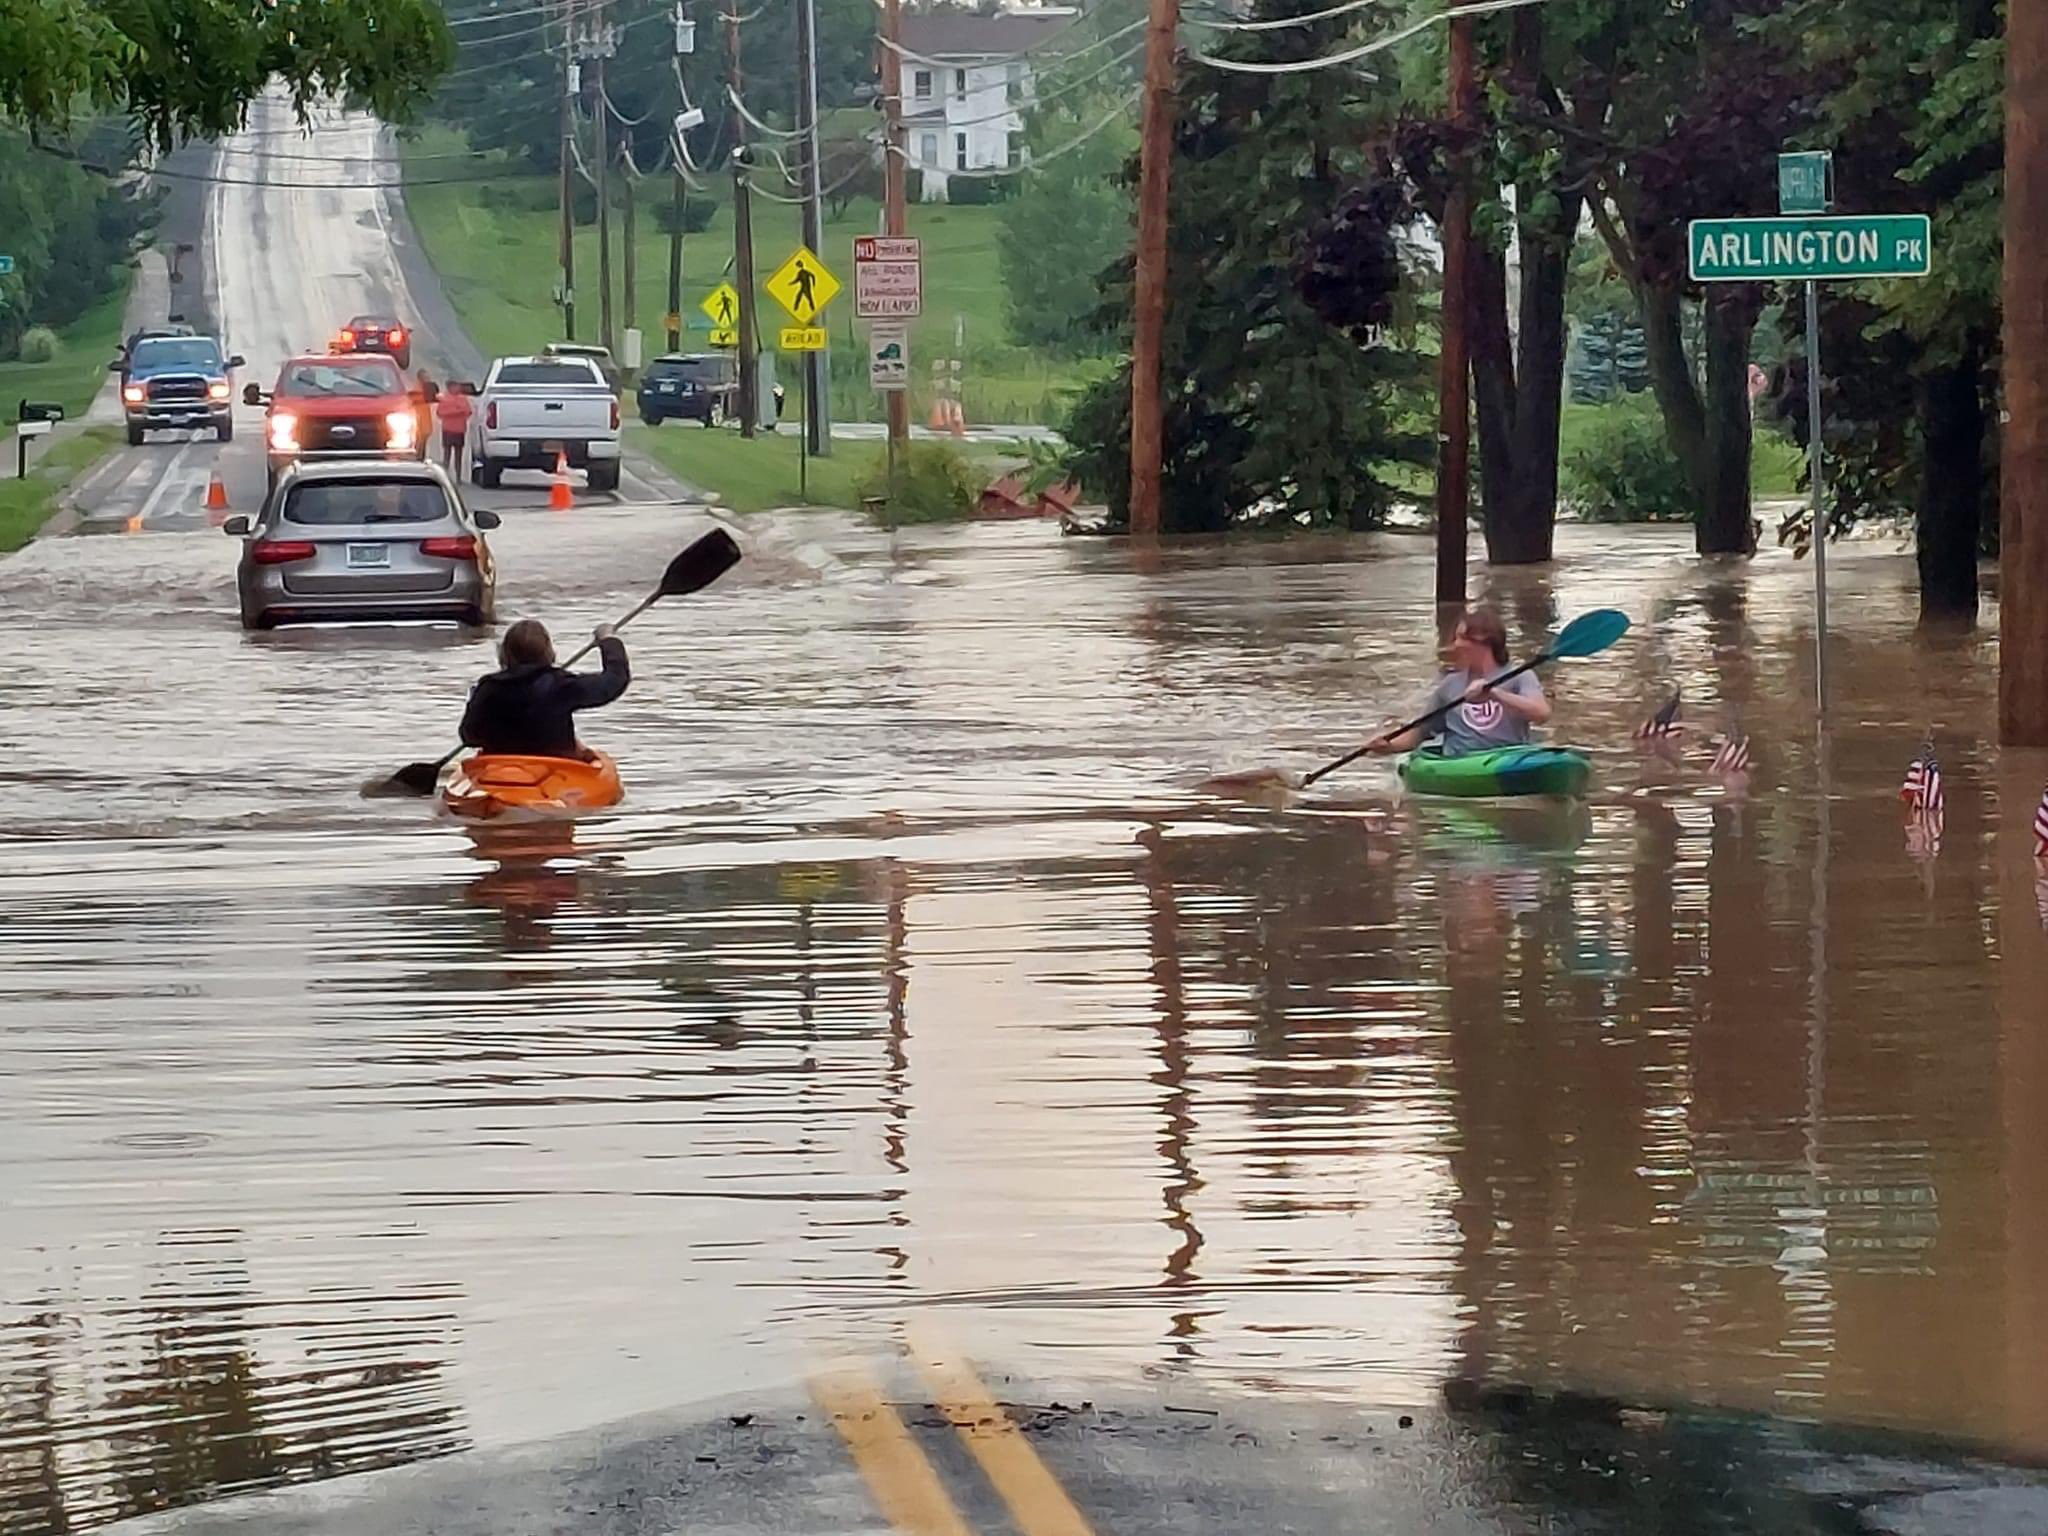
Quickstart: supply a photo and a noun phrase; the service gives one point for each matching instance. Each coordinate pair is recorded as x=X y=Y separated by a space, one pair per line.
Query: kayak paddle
x=691 y=571
x=1587 y=635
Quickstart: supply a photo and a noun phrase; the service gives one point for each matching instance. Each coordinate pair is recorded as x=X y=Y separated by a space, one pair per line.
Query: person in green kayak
x=1486 y=717
x=527 y=708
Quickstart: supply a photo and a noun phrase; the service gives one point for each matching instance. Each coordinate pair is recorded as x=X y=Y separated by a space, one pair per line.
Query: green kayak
x=1502 y=772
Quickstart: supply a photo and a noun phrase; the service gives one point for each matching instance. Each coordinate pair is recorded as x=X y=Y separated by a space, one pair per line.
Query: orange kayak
x=487 y=786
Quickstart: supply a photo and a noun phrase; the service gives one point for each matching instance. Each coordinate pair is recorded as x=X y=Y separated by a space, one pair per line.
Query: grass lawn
x=494 y=244
x=758 y=475
x=25 y=505
x=85 y=347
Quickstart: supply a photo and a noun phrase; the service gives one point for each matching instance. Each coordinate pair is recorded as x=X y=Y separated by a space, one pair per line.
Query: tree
x=189 y=68
x=1676 y=113
x=1914 y=112
x=68 y=229
x=1274 y=415
x=1069 y=221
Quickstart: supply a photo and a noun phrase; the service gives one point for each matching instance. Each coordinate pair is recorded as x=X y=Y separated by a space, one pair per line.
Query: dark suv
x=693 y=386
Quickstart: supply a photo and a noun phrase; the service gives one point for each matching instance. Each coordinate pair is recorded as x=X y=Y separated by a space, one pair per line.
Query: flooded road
x=919 y=979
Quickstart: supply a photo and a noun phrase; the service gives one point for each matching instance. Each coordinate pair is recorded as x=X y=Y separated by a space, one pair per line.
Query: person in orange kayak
x=527 y=708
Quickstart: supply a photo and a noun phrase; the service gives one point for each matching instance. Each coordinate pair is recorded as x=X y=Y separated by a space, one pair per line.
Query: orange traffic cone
x=216 y=494
x=559 y=497
x=959 y=421
x=938 y=417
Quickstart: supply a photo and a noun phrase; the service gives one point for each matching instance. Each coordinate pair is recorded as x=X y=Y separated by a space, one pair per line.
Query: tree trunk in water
x=1678 y=399
x=1493 y=384
x=1950 y=404
x=1724 y=525
x=1526 y=535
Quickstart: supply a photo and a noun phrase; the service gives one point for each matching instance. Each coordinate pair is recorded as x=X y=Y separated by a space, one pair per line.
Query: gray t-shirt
x=1483 y=726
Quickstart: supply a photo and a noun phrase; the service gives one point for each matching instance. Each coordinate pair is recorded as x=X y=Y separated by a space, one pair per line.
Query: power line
x=1276 y=22
x=985 y=61
x=1377 y=45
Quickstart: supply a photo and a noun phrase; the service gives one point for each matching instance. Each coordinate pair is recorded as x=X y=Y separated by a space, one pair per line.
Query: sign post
x=803 y=285
x=888 y=289
x=1808 y=244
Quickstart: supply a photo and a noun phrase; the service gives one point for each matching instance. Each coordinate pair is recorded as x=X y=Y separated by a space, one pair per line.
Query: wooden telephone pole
x=1454 y=362
x=1148 y=329
x=895 y=217
x=742 y=231
x=567 y=256
x=2023 y=457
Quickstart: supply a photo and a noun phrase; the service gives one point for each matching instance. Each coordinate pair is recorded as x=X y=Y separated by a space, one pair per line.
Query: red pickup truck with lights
x=337 y=406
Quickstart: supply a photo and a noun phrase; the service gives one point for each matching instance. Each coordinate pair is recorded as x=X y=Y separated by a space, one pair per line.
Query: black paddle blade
x=412 y=779
x=700 y=565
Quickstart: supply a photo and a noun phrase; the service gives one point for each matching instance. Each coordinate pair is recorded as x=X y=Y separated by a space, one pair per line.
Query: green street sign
x=1845 y=246
x=1803 y=181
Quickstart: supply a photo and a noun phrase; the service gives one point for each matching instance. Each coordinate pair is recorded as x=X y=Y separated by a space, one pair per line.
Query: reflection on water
x=915 y=974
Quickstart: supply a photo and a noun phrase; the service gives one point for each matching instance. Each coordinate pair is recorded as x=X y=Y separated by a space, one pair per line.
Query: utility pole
x=817 y=365
x=678 y=200
x=604 y=201
x=627 y=276
x=742 y=230
x=2023 y=458
x=1148 y=330
x=567 y=257
x=1454 y=361
x=895 y=217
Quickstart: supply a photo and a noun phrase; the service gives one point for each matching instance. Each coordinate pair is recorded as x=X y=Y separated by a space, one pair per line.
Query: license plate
x=666 y=389
x=368 y=556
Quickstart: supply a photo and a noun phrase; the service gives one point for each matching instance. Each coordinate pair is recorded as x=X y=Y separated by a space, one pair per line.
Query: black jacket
x=529 y=711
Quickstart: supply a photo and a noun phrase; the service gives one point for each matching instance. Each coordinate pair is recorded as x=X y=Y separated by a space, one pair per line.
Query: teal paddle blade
x=1590 y=633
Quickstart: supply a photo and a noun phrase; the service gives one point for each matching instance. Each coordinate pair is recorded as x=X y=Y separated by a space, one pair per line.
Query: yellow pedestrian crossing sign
x=722 y=305
x=803 y=338
x=724 y=336
x=803 y=285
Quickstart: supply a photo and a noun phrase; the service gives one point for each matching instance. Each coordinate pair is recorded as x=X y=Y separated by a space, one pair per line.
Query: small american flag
x=2041 y=827
x=1732 y=756
x=1662 y=723
x=1922 y=789
x=2041 y=891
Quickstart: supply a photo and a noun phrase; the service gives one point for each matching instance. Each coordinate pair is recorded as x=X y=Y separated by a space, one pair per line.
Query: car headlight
x=284 y=432
x=217 y=390
x=402 y=427
x=133 y=393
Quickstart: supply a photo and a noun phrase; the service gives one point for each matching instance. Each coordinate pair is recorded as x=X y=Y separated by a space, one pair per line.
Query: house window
x=959 y=151
x=960 y=83
x=921 y=85
x=1016 y=152
x=928 y=149
x=1015 y=80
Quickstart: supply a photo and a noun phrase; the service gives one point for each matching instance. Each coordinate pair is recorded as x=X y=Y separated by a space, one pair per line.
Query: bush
x=38 y=345
x=1623 y=470
x=525 y=195
x=934 y=484
x=979 y=191
x=697 y=214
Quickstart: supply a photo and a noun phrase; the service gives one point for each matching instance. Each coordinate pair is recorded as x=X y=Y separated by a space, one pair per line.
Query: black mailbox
x=38 y=410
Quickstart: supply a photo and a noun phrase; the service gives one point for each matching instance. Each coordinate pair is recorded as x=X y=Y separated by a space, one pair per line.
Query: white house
x=967 y=78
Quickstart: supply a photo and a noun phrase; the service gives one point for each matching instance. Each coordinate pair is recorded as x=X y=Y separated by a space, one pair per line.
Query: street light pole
x=895 y=216
x=742 y=231
x=817 y=365
x=2023 y=454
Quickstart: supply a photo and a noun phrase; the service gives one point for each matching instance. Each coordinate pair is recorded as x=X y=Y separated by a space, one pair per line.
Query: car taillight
x=348 y=338
x=491 y=415
x=397 y=337
x=615 y=415
x=132 y=393
x=282 y=551
x=461 y=547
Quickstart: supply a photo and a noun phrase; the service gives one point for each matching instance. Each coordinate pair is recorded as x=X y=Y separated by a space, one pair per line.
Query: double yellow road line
x=901 y=1476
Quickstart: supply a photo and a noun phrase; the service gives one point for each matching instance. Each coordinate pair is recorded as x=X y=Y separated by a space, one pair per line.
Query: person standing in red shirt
x=453 y=411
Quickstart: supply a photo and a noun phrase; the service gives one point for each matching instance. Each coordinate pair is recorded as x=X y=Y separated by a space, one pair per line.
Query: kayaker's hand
x=603 y=632
x=1479 y=692
x=1380 y=746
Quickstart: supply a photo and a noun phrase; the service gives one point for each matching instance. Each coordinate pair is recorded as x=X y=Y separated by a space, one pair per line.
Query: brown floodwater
x=919 y=972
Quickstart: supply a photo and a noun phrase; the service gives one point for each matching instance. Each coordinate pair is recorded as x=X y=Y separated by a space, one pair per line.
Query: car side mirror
x=236 y=527
x=487 y=520
x=238 y=361
x=253 y=395
x=117 y=365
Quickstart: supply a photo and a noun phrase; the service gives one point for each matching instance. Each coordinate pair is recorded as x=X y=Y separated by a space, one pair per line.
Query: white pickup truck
x=534 y=410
